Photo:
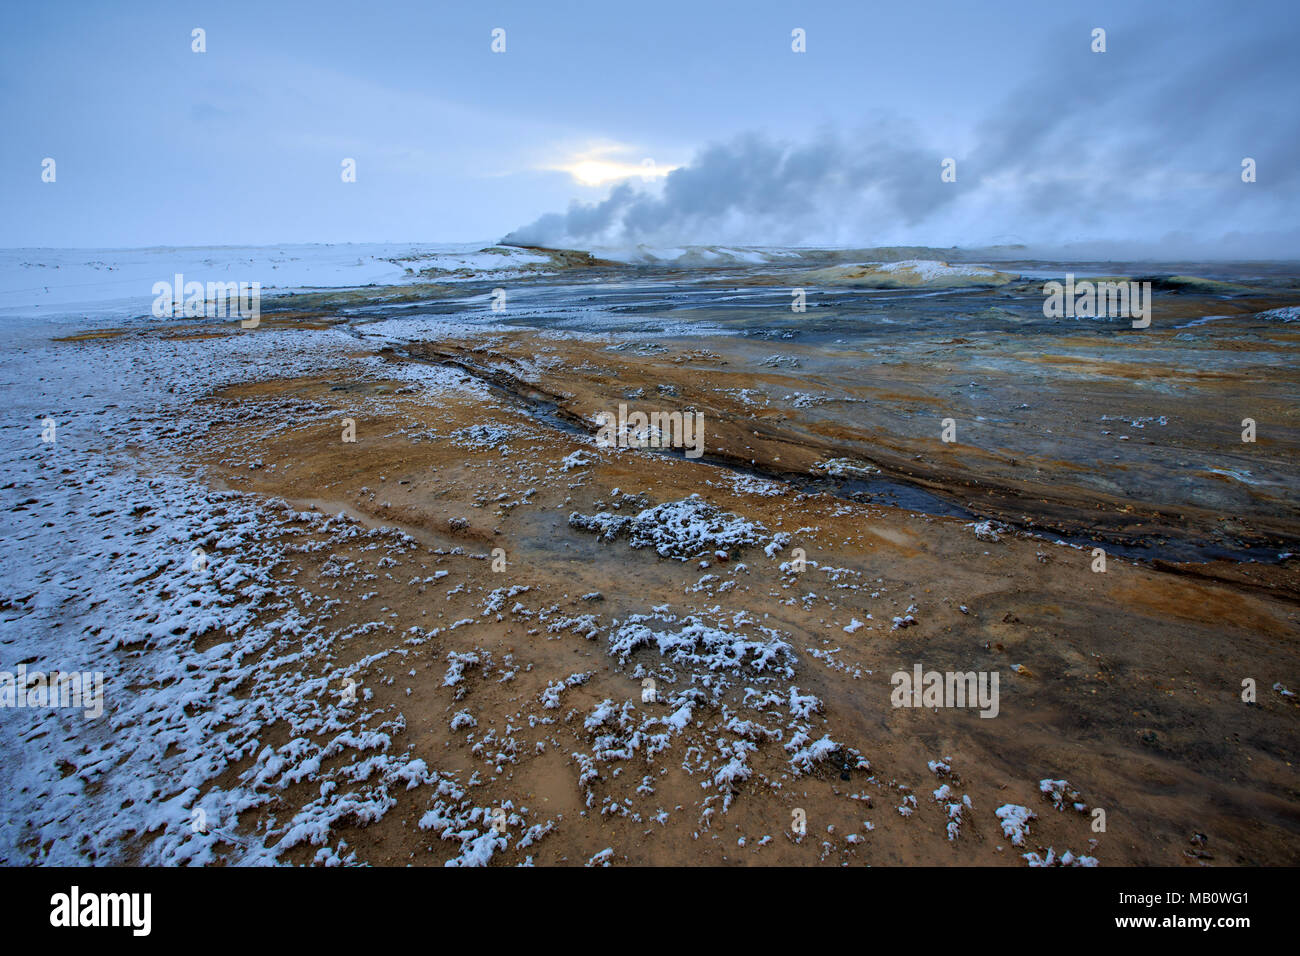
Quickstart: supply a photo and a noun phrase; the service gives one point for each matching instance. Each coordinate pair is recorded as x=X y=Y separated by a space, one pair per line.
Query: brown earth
x=1127 y=683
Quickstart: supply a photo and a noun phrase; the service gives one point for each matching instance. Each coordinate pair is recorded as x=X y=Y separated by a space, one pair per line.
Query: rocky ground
x=429 y=619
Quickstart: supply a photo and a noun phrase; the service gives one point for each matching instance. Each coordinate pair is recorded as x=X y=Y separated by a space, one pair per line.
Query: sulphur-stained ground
x=361 y=602
x=772 y=686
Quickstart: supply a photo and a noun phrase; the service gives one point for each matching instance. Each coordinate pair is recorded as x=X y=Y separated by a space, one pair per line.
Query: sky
x=664 y=123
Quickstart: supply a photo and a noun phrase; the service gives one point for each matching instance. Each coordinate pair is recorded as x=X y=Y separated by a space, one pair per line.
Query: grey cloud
x=1138 y=144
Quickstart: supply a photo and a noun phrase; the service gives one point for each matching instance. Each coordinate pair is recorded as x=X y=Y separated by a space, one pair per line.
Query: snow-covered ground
x=43 y=281
x=909 y=274
x=114 y=569
x=186 y=600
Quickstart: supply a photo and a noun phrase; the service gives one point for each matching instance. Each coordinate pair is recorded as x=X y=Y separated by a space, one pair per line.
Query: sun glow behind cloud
x=602 y=165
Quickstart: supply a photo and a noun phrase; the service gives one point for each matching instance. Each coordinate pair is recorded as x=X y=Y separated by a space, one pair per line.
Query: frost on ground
x=239 y=638
x=265 y=698
x=185 y=598
x=1015 y=822
x=1067 y=858
x=725 y=687
x=988 y=530
x=1062 y=795
x=677 y=529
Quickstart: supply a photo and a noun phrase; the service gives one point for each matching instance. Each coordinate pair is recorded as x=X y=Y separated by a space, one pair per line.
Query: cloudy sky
x=665 y=123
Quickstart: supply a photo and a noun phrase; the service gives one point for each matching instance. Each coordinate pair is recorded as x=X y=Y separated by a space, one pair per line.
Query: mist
x=1139 y=152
